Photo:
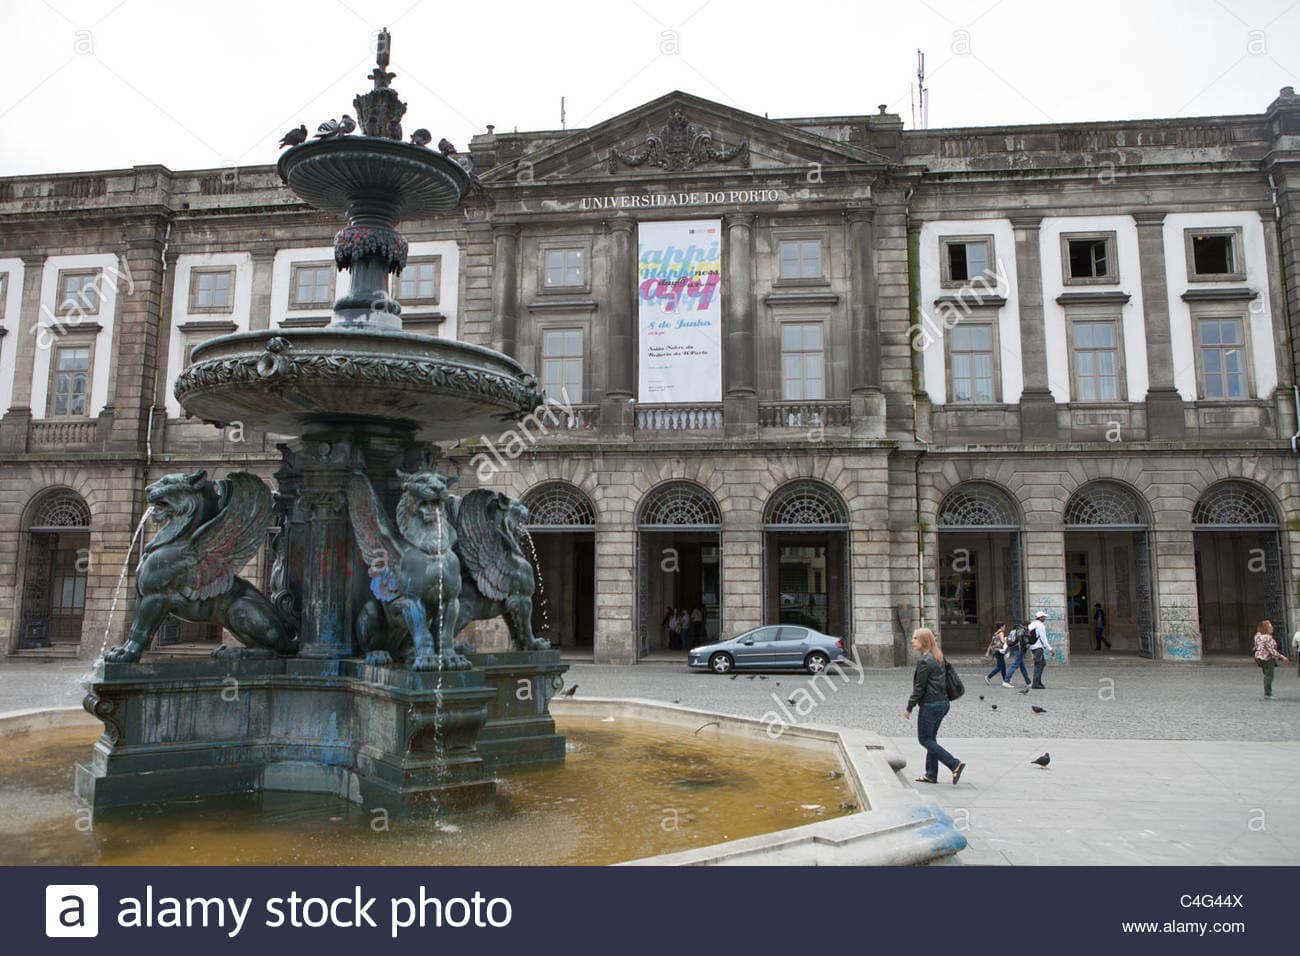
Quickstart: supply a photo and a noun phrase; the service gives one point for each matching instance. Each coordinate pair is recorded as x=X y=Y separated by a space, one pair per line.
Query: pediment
x=680 y=134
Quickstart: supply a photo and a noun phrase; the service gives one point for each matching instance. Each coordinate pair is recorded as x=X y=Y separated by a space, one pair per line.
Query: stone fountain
x=350 y=680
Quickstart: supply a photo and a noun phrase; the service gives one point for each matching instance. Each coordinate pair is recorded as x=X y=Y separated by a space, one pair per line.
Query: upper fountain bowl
x=338 y=174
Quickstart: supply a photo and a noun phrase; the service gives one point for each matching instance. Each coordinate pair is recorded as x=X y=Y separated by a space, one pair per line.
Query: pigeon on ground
x=994 y=706
x=761 y=677
x=790 y=701
x=1042 y=761
x=1037 y=710
x=294 y=137
x=677 y=700
x=421 y=137
x=331 y=128
x=1025 y=691
x=445 y=147
x=981 y=696
x=571 y=691
x=753 y=677
x=734 y=676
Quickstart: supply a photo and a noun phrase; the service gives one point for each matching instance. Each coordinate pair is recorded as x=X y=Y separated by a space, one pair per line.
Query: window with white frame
x=564 y=268
x=311 y=285
x=562 y=364
x=800 y=259
x=1089 y=258
x=1221 y=357
x=1096 y=360
x=419 y=282
x=69 y=381
x=803 y=362
x=1214 y=254
x=212 y=290
x=971 y=352
x=78 y=291
x=964 y=259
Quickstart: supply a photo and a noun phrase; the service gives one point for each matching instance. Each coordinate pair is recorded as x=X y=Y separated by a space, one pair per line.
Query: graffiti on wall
x=1053 y=605
x=1179 y=633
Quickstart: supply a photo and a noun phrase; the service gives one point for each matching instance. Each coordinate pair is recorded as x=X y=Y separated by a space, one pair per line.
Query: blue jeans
x=928 y=719
x=999 y=666
x=1017 y=660
x=1040 y=663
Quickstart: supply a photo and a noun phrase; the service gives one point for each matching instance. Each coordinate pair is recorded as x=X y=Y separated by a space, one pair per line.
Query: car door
x=793 y=644
x=758 y=648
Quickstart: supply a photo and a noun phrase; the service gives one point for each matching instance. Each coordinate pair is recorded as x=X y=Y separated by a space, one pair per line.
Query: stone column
x=505 y=288
x=16 y=422
x=740 y=393
x=135 y=337
x=1165 y=419
x=742 y=572
x=1044 y=561
x=616 y=580
x=321 y=517
x=616 y=415
x=259 y=316
x=1037 y=406
x=865 y=393
x=1177 y=614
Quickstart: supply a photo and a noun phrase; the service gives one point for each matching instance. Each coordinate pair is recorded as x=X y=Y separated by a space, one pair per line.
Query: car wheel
x=721 y=663
x=816 y=662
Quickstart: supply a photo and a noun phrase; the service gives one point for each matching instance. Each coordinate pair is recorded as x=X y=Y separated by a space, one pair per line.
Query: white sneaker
x=988 y=680
x=1005 y=684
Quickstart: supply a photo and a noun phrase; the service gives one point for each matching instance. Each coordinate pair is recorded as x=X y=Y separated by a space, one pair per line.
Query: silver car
x=787 y=646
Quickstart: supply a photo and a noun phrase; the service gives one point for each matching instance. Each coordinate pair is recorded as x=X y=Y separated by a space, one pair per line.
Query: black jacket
x=928 y=682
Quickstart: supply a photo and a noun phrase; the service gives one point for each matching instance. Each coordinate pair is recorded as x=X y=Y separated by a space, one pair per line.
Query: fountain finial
x=379 y=112
x=380 y=74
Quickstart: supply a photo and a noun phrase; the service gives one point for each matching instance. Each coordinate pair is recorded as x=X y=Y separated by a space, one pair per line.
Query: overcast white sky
x=102 y=85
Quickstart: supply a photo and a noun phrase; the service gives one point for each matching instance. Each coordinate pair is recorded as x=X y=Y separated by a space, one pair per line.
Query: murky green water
x=627 y=790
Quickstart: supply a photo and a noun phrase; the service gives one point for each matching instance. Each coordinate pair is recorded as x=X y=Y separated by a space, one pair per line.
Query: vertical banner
x=679 y=312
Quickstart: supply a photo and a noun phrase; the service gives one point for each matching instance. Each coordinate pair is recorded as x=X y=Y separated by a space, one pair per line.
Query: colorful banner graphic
x=679 y=296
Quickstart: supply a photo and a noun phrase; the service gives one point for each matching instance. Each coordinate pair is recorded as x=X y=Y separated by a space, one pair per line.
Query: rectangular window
x=965 y=259
x=212 y=290
x=71 y=374
x=562 y=364
x=565 y=268
x=1214 y=254
x=970 y=356
x=419 y=282
x=801 y=259
x=1223 y=358
x=1096 y=361
x=4 y=293
x=1089 y=258
x=803 y=362
x=79 y=292
x=311 y=285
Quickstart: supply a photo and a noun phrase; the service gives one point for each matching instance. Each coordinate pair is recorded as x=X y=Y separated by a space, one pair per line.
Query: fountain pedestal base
x=387 y=738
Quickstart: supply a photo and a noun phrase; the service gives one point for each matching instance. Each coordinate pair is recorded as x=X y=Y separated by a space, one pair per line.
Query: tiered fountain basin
x=643 y=783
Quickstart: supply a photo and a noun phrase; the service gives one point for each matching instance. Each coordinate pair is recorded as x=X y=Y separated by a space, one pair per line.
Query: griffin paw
x=128 y=653
x=455 y=662
x=379 y=658
x=426 y=662
x=538 y=644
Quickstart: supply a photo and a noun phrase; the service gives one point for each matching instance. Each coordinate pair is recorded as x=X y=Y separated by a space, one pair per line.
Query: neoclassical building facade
x=822 y=372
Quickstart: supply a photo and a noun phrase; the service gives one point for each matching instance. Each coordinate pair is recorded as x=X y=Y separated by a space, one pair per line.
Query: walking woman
x=998 y=651
x=930 y=693
x=1267 y=656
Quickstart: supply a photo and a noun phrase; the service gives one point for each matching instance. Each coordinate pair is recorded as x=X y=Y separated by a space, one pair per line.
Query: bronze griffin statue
x=209 y=531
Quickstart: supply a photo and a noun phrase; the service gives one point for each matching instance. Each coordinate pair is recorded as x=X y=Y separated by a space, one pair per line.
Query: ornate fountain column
x=322 y=511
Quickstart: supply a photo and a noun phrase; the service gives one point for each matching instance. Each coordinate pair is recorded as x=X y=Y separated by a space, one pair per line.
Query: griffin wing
x=378 y=540
x=222 y=546
x=484 y=548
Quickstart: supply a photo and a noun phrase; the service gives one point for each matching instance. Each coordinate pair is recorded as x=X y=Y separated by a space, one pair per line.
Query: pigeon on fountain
x=332 y=128
x=294 y=137
x=421 y=137
x=445 y=147
x=571 y=691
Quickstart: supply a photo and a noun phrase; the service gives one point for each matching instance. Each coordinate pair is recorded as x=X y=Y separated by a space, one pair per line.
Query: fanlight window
x=805 y=504
x=1105 y=504
x=558 y=504
x=1233 y=504
x=680 y=504
x=61 y=510
x=978 y=506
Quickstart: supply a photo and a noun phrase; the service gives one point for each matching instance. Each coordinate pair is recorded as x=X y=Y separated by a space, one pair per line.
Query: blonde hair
x=929 y=644
x=1259 y=629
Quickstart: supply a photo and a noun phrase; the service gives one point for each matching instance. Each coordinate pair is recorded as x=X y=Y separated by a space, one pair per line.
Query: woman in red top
x=1267 y=656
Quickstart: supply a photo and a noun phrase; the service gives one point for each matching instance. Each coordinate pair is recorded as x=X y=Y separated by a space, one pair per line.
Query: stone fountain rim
x=896 y=825
x=376 y=145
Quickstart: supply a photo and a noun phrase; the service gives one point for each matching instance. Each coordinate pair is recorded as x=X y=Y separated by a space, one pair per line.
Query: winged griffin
x=209 y=531
x=415 y=573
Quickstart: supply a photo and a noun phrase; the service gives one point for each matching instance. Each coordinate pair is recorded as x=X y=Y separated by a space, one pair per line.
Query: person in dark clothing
x=1099 y=626
x=930 y=694
x=670 y=623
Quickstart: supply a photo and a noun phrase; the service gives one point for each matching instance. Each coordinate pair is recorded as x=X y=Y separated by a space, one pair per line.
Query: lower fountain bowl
x=288 y=381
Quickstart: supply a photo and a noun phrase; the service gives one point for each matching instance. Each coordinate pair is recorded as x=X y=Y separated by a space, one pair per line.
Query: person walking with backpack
x=998 y=651
x=1267 y=656
x=1039 y=647
x=1016 y=646
x=930 y=694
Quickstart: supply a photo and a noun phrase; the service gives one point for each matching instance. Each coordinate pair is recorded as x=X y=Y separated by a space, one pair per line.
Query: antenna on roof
x=562 y=126
x=920 y=96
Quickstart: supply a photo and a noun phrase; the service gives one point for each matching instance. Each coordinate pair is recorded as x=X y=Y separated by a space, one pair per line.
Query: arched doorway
x=979 y=564
x=1108 y=563
x=679 y=562
x=56 y=560
x=1239 y=577
x=562 y=526
x=806 y=559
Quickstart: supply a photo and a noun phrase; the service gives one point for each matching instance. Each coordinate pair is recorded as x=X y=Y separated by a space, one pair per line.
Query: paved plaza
x=1152 y=763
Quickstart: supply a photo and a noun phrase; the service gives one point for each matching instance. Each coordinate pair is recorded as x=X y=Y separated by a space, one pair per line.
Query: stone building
x=950 y=376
